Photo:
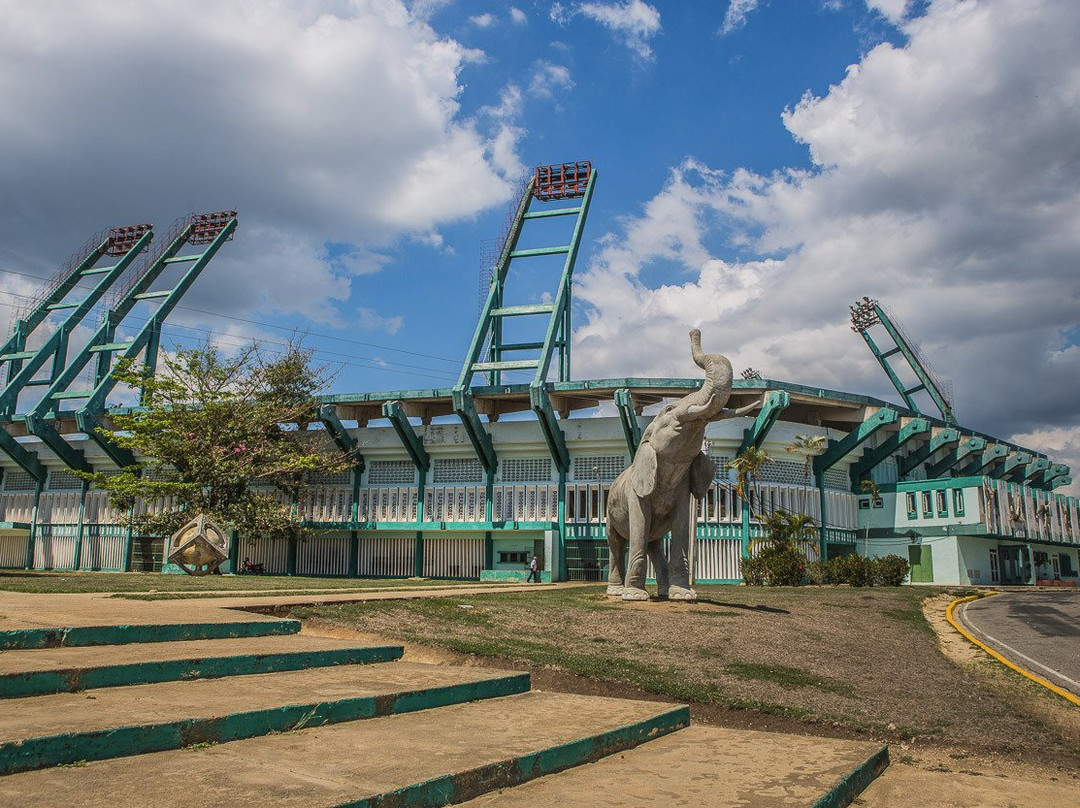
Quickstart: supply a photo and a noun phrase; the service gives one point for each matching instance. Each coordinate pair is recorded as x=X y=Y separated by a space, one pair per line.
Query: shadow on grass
x=745 y=607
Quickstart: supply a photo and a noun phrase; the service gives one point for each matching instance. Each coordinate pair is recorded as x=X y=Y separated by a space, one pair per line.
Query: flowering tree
x=222 y=436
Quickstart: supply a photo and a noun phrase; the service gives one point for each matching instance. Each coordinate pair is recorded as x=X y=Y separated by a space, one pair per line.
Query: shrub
x=850 y=569
x=891 y=570
x=775 y=566
x=817 y=572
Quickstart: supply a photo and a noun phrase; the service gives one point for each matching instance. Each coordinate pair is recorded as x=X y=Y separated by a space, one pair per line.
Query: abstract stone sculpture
x=652 y=496
x=199 y=547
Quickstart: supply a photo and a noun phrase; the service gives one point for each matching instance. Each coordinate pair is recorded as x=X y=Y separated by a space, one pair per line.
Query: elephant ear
x=702 y=471
x=643 y=471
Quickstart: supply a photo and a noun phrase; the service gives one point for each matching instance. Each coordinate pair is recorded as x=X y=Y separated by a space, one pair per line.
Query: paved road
x=1038 y=630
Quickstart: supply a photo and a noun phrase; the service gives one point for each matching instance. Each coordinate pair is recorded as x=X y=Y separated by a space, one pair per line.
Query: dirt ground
x=873 y=664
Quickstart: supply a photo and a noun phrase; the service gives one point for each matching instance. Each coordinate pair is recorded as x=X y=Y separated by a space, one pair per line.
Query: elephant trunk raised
x=714 y=393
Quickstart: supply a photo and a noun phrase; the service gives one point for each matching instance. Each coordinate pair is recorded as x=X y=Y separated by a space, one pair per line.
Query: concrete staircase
x=254 y=713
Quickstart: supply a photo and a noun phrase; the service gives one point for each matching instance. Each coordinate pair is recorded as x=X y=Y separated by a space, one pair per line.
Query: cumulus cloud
x=736 y=14
x=373 y=321
x=946 y=183
x=635 y=21
x=320 y=122
x=548 y=79
x=892 y=10
x=484 y=20
x=517 y=16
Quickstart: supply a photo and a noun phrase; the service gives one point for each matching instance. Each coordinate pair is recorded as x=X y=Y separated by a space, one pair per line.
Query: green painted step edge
x=40 y=683
x=72 y=636
x=454 y=788
x=52 y=750
x=855 y=782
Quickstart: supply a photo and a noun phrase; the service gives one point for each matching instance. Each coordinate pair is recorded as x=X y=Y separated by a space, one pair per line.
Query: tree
x=747 y=465
x=781 y=557
x=788 y=531
x=808 y=446
x=871 y=488
x=222 y=436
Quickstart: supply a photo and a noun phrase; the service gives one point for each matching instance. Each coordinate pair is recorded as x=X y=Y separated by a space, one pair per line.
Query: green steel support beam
x=412 y=442
x=939 y=440
x=340 y=435
x=23 y=457
x=964 y=449
x=1015 y=462
x=549 y=424
x=980 y=465
x=838 y=449
x=474 y=428
x=775 y=403
x=630 y=426
x=1054 y=472
x=88 y=423
x=1034 y=470
x=909 y=430
x=72 y=458
x=1059 y=482
x=55 y=346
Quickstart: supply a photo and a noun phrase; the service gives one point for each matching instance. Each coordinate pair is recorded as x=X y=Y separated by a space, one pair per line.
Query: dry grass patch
x=859 y=659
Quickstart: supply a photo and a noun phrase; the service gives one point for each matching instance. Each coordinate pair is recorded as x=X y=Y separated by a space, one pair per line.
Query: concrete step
x=43 y=731
x=72 y=636
x=709 y=766
x=61 y=670
x=435 y=757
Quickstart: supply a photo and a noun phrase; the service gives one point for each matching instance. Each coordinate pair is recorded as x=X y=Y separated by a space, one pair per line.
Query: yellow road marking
x=1007 y=662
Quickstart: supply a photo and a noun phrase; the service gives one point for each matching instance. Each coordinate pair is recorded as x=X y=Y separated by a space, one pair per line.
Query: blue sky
x=762 y=164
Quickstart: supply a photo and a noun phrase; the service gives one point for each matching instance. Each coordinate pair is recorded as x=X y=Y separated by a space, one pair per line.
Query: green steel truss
x=55 y=346
x=867 y=313
x=982 y=463
x=537 y=353
x=624 y=401
x=910 y=429
x=964 y=449
x=346 y=443
x=940 y=439
x=413 y=443
x=108 y=352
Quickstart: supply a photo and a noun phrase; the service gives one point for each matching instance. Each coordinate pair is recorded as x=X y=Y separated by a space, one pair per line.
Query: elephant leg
x=616 y=563
x=660 y=566
x=679 y=552
x=634 y=582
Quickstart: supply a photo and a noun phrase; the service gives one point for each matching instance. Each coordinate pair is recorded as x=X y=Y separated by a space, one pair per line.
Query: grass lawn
x=67 y=582
x=862 y=660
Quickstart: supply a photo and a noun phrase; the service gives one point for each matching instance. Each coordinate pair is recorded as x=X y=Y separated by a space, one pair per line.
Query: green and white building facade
x=516 y=459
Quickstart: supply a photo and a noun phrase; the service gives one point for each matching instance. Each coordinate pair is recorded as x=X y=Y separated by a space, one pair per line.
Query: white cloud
x=635 y=21
x=736 y=14
x=548 y=79
x=946 y=183
x=319 y=121
x=517 y=16
x=484 y=20
x=370 y=320
x=892 y=10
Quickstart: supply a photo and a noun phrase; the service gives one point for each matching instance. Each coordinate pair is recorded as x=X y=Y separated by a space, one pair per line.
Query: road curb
x=855 y=781
x=1065 y=694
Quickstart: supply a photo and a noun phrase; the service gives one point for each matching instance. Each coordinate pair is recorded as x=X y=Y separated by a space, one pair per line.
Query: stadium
x=470 y=482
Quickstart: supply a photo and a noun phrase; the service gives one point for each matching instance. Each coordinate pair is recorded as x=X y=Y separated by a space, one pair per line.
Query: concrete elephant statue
x=652 y=496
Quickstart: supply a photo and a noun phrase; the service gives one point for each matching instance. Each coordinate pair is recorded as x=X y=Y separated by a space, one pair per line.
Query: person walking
x=534 y=570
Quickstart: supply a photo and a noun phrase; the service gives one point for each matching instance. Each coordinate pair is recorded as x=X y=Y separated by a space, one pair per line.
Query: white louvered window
x=723 y=466
x=63 y=481
x=18 y=481
x=591 y=468
x=451 y=470
x=391 y=472
x=838 y=478
x=526 y=470
x=784 y=472
x=338 y=478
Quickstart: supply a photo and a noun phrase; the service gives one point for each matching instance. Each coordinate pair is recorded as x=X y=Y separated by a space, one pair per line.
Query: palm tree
x=871 y=488
x=783 y=529
x=747 y=465
x=808 y=446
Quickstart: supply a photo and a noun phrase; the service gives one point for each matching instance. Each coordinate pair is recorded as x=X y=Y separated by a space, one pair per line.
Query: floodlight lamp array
x=864 y=314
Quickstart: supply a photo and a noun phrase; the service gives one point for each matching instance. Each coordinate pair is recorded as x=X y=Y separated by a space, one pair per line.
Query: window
x=927 y=505
x=912 y=508
x=958 y=501
x=391 y=472
x=451 y=470
x=513 y=557
x=942 y=503
x=864 y=504
x=995 y=573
